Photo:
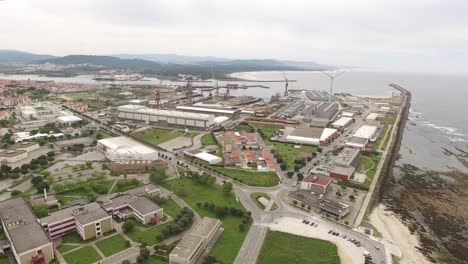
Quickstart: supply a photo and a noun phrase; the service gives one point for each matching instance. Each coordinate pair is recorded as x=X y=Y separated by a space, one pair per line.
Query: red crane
x=157 y=103
x=285 y=85
x=189 y=90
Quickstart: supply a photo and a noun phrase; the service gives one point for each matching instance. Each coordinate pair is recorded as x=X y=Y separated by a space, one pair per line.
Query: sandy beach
x=394 y=230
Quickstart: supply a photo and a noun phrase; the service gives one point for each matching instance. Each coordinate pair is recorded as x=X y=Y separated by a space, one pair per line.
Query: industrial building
x=228 y=112
x=317 y=185
x=342 y=173
x=28 y=241
x=165 y=118
x=342 y=123
x=348 y=157
x=35 y=116
x=204 y=156
x=322 y=110
x=196 y=244
x=312 y=136
x=362 y=136
x=123 y=148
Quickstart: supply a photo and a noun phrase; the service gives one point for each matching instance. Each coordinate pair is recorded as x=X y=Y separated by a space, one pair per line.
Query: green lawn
x=65 y=199
x=245 y=128
x=85 y=255
x=257 y=195
x=250 y=177
x=146 y=234
x=154 y=260
x=94 y=105
x=112 y=245
x=65 y=248
x=371 y=172
x=208 y=140
x=228 y=245
x=4 y=260
x=282 y=248
x=74 y=238
x=78 y=96
x=289 y=153
x=285 y=150
x=157 y=136
x=170 y=207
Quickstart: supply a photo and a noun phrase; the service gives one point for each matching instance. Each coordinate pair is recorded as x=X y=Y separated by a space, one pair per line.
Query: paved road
x=252 y=245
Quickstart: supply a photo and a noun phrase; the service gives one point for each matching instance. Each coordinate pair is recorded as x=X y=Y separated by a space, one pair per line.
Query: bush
x=15 y=193
x=128 y=226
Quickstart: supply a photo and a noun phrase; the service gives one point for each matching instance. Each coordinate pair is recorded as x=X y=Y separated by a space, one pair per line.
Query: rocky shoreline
x=432 y=204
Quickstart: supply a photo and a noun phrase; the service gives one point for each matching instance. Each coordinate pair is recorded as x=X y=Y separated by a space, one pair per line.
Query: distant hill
x=169 y=58
x=13 y=56
x=106 y=61
x=207 y=60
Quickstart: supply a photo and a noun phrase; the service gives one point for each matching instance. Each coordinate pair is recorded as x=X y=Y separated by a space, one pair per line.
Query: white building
x=342 y=122
x=362 y=136
x=123 y=148
x=68 y=119
x=165 y=117
x=312 y=136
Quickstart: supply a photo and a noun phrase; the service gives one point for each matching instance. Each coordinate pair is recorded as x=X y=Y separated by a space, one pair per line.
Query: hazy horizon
x=416 y=36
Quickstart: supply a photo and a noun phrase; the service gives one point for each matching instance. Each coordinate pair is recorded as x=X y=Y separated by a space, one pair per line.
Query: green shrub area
x=210 y=200
x=126 y=184
x=157 y=136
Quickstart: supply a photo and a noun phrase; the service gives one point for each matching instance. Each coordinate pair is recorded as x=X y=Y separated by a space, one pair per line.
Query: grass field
x=74 y=238
x=208 y=140
x=281 y=248
x=146 y=234
x=157 y=136
x=170 y=207
x=250 y=177
x=287 y=151
x=228 y=245
x=371 y=172
x=257 y=195
x=153 y=260
x=85 y=255
x=112 y=245
x=4 y=260
x=245 y=128
x=65 y=248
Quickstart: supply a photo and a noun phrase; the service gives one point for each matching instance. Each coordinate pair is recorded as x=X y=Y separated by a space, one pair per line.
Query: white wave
x=451 y=131
x=414 y=112
x=455 y=139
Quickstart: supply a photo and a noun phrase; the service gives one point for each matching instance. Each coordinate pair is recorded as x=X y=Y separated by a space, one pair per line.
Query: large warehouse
x=342 y=123
x=231 y=113
x=312 y=136
x=122 y=148
x=165 y=117
x=362 y=136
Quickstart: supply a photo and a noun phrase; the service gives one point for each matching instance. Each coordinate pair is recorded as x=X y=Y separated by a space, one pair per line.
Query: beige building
x=133 y=203
x=29 y=242
x=12 y=155
x=198 y=243
x=89 y=221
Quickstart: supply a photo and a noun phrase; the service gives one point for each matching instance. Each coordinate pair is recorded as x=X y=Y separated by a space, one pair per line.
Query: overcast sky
x=408 y=35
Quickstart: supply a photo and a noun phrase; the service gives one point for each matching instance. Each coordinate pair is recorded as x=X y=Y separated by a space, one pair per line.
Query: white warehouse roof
x=68 y=119
x=176 y=114
x=365 y=131
x=211 y=110
x=221 y=119
x=343 y=121
x=211 y=159
x=126 y=148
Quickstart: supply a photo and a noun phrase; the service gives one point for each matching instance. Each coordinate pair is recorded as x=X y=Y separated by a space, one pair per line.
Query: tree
x=338 y=194
x=300 y=176
x=36 y=179
x=41 y=186
x=290 y=174
x=351 y=198
x=89 y=163
x=283 y=166
x=15 y=193
x=126 y=261
x=128 y=226
x=241 y=227
x=227 y=188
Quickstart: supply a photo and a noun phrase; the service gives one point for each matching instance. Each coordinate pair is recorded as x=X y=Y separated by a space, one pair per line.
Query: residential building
x=29 y=242
x=196 y=244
